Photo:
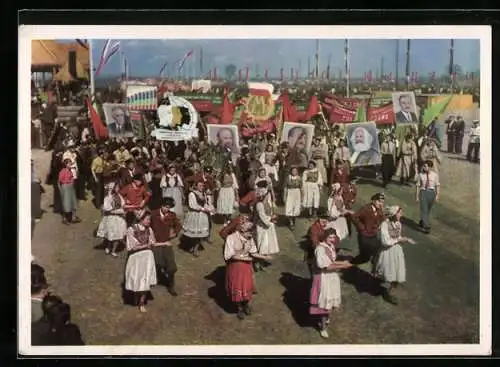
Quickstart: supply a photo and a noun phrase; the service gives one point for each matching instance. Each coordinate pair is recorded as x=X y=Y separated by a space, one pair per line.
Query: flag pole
x=91 y=69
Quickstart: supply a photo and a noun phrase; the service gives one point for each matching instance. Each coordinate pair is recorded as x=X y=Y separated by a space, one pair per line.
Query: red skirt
x=239 y=281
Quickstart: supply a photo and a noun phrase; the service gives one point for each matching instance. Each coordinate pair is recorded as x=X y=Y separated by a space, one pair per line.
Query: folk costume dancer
x=173 y=187
x=166 y=226
x=315 y=234
x=267 y=239
x=319 y=154
x=209 y=187
x=293 y=196
x=311 y=184
x=232 y=226
x=196 y=225
x=338 y=212
x=140 y=271
x=390 y=265
x=388 y=166
x=270 y=163
x=367 y=221
x=227 y=198
x=239 y=253
x=325 y=293
x=407 y=160
x=135 y=194
x=71 y=154
x=428 y=189
x=112 y=227
x=66 y=184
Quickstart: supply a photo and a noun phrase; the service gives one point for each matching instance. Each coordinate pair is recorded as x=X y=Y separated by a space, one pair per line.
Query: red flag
x=227 y=110
x=100 y=131
x=247 y=73
x=289 y=112
x=314 y=107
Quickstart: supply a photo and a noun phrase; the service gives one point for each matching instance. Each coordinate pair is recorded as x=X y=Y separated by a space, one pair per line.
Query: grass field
x=438 y=304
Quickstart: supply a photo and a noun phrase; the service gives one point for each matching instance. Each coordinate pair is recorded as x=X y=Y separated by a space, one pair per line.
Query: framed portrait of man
x=405 y=107
x=299 y=138
x=363 y=144
x=118 y=120
x=225 y=137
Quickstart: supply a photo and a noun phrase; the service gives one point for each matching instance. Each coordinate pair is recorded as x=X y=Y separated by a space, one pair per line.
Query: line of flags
x=109 y=49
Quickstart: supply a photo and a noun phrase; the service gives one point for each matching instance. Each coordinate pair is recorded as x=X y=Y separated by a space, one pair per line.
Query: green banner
x=435 y=110
x=201 y=97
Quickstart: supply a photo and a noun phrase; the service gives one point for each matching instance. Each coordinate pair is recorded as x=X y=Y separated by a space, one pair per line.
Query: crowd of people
x=151 y=193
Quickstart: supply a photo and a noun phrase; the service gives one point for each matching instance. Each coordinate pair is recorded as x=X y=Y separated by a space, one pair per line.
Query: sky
x=146 y=57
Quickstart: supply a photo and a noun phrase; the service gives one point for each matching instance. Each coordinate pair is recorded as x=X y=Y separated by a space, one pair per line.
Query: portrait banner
x=225 y=137
x=363 y=144
x=177 y=120
x=405 y=107
x=298 y=136
x=118 y=121
x=142 y=97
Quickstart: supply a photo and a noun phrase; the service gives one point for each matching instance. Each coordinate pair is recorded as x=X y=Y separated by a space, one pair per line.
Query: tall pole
x=407 y=70
x=382 y=69
x=346 y=61
x=317 y=59
x=396 y=72
x=308 y=66
x=201 y=61
x=300 y=68
x=91 y=69
x=451 y=69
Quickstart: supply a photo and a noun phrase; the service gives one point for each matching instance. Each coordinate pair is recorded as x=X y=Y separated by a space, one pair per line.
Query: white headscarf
x=392 y=210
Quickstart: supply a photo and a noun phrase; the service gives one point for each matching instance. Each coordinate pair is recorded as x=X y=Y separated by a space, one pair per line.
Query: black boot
x=247 y=309
x=388 y=295
x=241 y=312
x=66 y=218
x=171 y=284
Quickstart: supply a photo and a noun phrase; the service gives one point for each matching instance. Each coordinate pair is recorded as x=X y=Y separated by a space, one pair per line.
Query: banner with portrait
x=225 y=137
x=177 y=120
x=118 y=121
x=405 y=107
x=142 y=97
x=299 y=138
x=363 y=144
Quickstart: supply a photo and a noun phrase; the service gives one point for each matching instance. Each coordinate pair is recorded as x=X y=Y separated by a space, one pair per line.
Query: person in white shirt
x=473 y=147
x=427 y=193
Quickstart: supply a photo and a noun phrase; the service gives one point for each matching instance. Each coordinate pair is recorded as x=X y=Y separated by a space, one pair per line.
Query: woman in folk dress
x=269 y=163
x=267 y=239
x=66 y=183
x=325 y=290
x=197 y=223
x=172 y=185
x=140 y=271
x=293 y=196
x=113 y=226
x=390 y=263
x=337 y=211
x=311 y=186
x=263 y=176
x=227 y=199
x=239 y=253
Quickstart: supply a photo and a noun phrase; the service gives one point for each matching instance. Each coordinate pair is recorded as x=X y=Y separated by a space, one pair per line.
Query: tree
x=230 y=71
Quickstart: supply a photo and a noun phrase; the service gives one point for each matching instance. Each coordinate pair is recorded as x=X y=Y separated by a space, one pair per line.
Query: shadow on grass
x=410 y=223
x=362 y=281
x=296 y=298
x=370 y=181
x=218 y=291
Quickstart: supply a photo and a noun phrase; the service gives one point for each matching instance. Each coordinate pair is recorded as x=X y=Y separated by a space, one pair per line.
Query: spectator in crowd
x=39 y=288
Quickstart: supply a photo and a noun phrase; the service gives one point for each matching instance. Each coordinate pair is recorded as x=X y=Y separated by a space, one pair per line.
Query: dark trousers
x=452 y=138
x=36 y=209
x=387 y=168
x=473 y=152
x=99 y=191
x=368 y=248
x=426 y=199
x=459 y=141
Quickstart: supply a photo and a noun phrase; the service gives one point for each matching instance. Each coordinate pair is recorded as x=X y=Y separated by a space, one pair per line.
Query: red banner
x=331 y=100
x=341 y=114
x=381 y=115
x=202 y=106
